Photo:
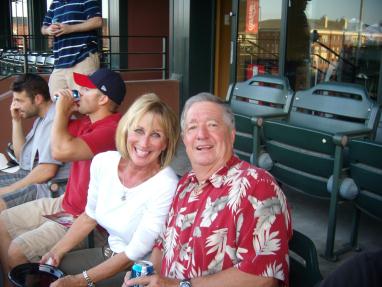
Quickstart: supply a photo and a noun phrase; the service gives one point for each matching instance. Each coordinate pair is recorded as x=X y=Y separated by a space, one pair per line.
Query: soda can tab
x=75 y=95
x=141 y=268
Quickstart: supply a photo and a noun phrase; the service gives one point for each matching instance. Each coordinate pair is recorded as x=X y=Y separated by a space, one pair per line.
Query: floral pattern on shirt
x=237 y=218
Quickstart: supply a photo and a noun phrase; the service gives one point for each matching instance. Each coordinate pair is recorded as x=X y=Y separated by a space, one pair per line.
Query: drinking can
x=75 y=95
x=141 y=268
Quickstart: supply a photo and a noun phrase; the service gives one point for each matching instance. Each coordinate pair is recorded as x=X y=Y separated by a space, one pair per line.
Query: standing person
x=31 y=99
x=26 y=234
x=229 y=224
x=130 y=193
x=73 y=25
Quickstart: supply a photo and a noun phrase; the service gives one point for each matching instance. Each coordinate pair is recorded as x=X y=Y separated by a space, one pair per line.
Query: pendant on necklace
x=123 y=197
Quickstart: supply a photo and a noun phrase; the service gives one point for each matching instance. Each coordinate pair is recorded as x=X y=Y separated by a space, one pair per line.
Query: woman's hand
x=70 y=281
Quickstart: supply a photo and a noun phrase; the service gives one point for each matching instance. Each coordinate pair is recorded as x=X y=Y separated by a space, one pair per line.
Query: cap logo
x=103 y=88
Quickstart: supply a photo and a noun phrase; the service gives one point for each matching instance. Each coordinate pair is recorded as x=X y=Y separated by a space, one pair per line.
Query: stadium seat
x=263 y=96
x=307 y=149
x=304 y=269
x=366 y=170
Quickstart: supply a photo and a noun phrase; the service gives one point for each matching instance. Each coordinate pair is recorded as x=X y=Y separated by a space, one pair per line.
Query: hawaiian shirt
x=237 y=218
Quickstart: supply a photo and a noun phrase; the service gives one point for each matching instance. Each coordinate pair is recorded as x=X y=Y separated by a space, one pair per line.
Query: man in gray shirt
x=31 y=98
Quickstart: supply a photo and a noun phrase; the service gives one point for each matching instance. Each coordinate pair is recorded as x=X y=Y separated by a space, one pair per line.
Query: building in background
x=209 y=44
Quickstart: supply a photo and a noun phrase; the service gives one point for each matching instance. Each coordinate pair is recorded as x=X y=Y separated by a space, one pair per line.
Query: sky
x=334 y=9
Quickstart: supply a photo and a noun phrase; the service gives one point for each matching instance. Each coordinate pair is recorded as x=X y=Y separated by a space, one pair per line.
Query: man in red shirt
x=25 y=232
x=229 y=223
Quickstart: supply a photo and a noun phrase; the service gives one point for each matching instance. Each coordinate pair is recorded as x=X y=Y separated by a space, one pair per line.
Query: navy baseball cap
x=108 y=82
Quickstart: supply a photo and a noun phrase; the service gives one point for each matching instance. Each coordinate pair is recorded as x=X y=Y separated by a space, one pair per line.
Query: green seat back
x=366 y=170
x=260 y=95
x=304 y=268
x=243 y=140
x=332 y=107
x=302 y=146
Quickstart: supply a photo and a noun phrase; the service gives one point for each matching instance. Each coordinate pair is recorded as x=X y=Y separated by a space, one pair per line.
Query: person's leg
x=57 y=81
x=18 y=197
x=4 y=245
x=33 y=244
x=15 y=222
x=77 y=261
x=88 y=66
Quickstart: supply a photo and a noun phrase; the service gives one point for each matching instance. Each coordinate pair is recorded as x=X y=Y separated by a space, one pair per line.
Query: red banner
x=252 y=17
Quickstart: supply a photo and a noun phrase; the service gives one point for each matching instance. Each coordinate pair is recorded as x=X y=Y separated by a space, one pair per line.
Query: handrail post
x=164 y=58
x=109 y=51
x=25 y=53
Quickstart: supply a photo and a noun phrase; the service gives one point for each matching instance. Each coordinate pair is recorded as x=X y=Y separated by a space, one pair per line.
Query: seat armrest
x=11 y=154
x=259 y=119
x=343 y=137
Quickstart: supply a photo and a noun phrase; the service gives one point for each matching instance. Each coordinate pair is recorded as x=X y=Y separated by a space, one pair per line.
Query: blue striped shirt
x=70 y=49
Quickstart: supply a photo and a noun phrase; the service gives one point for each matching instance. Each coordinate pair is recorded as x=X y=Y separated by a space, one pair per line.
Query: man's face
x=207 y=137
x=89 y=100
x=24 y=105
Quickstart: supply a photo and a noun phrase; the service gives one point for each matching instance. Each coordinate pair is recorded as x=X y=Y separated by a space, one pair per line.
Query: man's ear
x=233 y=135
x=38 y=99
x=103 y=100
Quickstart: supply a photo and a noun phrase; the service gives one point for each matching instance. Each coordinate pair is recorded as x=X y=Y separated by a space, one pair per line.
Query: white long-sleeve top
x=133 y=224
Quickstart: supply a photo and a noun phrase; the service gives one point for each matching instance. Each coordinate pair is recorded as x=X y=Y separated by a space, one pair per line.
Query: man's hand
x=53 y=29
x=64 y=29
x=65 y=102
x=15 y=112
x=51 y=258
x=150 y=281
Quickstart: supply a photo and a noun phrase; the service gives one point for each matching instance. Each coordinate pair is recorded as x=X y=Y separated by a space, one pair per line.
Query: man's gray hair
x=207 y=97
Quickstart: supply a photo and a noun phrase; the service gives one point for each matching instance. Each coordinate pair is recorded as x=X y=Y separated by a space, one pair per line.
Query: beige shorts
x=63 y=78
x=32 y=232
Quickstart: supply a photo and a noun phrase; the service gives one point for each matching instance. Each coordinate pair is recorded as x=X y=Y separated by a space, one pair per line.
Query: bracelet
x=87 y=278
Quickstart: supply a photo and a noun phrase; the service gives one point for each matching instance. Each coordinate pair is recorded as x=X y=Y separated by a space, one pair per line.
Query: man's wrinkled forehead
x=193 y=114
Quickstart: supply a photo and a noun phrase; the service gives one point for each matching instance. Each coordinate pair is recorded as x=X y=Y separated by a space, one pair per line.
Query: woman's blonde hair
x=149 y=104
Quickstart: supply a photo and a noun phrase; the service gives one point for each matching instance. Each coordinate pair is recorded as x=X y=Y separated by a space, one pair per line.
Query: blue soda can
x=75 y=95
x=141 y=268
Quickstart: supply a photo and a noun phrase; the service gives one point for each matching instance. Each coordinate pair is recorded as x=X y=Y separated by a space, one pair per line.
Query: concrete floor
x=310 y=216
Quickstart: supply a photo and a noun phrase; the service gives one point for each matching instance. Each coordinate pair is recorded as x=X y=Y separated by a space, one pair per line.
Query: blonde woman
x=129 y=195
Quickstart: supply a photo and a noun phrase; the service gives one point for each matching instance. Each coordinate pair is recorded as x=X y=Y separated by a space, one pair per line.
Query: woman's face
x=146 y=141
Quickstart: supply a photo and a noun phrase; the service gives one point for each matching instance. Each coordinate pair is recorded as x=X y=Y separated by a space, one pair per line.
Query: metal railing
x=132 y=54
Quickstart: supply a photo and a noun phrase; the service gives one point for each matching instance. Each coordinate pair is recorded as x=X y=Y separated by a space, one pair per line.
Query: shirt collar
x=217 y=178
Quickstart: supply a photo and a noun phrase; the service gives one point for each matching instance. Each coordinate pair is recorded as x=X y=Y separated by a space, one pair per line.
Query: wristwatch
x=88 y=279
x=185 y=283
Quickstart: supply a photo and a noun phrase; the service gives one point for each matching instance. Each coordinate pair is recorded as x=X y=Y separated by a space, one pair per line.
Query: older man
x=229 y=223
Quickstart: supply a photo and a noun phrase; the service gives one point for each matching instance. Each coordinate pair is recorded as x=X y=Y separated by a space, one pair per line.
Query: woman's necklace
x=126 y=189
x=123 y=197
